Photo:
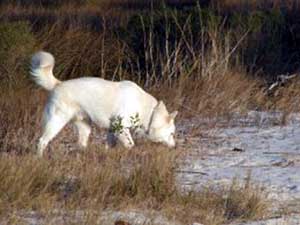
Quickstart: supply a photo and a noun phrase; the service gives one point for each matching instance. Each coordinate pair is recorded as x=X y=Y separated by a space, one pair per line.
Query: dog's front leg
x=125 y=138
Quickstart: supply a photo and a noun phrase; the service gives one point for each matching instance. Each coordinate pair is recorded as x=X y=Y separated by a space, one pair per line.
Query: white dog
x=101 y=101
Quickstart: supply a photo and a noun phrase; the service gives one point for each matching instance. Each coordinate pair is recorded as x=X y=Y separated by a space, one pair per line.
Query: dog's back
x=102 y=99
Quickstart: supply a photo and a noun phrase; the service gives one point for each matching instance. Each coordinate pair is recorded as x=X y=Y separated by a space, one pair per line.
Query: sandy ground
x=258 y=145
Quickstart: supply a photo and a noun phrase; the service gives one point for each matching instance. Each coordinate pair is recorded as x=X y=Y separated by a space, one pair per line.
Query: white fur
x=99 y=100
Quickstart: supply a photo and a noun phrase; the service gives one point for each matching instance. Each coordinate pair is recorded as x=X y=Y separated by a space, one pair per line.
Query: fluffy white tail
x=42 y=64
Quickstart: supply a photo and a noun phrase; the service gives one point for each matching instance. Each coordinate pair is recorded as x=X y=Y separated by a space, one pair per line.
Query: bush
x=16 y=45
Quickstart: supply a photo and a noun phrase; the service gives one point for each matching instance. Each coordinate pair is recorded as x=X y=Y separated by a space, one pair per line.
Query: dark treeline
x=271 y=45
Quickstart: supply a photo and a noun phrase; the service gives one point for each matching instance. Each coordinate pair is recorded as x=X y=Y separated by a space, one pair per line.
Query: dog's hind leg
x=84 y=131
x=53 y=123
x=111 y=140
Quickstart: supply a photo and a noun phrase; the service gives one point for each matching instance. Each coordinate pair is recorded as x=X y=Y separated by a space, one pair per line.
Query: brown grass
x=100 y=179
x=68 y=181
x=197 y=78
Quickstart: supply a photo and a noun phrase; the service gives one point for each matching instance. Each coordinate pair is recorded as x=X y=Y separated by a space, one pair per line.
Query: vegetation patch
x=100 y=179
x=16 y=44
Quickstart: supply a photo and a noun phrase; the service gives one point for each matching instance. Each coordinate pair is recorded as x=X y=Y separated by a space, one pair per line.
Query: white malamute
x=101 y=101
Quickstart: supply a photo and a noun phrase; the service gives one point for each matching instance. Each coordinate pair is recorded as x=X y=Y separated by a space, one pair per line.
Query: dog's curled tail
x=42 y=64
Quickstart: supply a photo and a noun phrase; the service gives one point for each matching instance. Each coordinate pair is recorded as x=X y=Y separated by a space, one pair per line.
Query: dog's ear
x=173 y=115
x=161 y=106
x=160 y=114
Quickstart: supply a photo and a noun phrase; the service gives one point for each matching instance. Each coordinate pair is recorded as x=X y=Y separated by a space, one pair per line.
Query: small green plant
x=135 y=122
x=116 y=125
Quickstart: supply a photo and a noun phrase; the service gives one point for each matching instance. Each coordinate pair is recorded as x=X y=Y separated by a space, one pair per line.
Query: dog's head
x=162 y=126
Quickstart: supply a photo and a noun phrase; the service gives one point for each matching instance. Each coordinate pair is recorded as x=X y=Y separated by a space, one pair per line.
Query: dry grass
x=216 y=97
x=287 y=97
x=198 y=76
x=100 y=179
x=66 y=182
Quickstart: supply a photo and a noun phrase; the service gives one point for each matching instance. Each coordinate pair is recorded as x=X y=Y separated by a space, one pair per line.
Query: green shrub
x=16 y=45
